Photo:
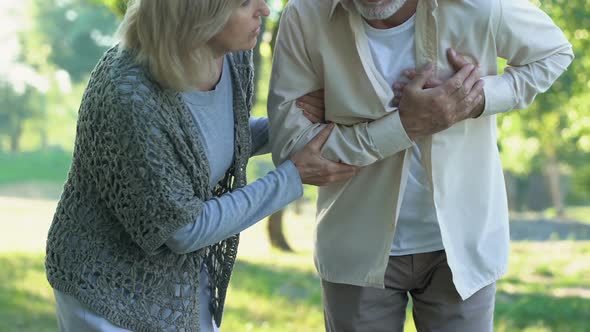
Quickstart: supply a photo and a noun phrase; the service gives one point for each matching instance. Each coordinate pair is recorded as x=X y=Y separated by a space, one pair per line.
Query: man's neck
x=402 y=15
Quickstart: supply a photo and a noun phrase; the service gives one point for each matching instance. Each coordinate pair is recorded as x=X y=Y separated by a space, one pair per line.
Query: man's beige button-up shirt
x=322 y=44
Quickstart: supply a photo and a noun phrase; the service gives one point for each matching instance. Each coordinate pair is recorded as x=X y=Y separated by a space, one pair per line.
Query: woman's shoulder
x=127 y=75
x=118 y=78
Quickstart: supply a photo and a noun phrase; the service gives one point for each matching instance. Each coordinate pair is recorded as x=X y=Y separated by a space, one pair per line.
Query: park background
x=47 y=51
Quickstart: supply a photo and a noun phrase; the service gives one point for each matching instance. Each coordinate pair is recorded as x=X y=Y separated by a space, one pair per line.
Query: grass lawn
x=547 y=288
x=34 y=166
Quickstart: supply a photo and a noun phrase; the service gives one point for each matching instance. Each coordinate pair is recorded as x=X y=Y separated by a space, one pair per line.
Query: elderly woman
x=145 y=235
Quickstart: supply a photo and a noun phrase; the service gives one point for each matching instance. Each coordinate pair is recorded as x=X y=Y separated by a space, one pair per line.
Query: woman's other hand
x=313 y=106
x=317 y=170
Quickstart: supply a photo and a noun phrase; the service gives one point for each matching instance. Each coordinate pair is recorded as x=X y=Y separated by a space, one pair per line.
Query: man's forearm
x=360 y=144
x=518 y=86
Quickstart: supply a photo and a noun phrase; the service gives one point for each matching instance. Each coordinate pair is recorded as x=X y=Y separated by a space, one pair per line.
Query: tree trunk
x=510 y=183
x=554 y=182
x=15 y=137
x=275 y=232
x=44 y=139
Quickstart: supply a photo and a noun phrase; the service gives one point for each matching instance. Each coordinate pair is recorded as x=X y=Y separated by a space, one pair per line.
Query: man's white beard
x=378 y=12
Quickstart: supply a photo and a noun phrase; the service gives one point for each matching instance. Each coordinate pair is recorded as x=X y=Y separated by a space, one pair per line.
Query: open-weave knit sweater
x=139 y=173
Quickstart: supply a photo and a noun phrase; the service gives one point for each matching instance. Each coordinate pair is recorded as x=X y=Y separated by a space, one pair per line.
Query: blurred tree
x=60 y=44
x=14 y=112
x=553 y=134
x=76 y=32
x=116 y=6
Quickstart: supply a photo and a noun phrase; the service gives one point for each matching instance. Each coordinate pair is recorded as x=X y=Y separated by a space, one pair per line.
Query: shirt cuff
x=388 y=135
x=499 y=96
x=294 y=179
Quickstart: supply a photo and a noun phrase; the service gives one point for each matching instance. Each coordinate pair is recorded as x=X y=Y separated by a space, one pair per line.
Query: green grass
x=279 y=292
x=34 y=166
x=26 y=300
x=547 y=287
x=581 y=213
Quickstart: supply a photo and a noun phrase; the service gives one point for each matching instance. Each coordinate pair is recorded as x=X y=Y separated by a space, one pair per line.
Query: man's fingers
x=468 y=84
x=456 y=60
x=452 y=84
x=398 y=91
x=473 y=98
x=409 y=73
x=318 y=141
x=399 y=86
x=422 y=76
x=432 y=82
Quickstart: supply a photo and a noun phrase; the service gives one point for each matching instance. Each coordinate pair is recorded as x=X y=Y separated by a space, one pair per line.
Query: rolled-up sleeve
x=537 y=53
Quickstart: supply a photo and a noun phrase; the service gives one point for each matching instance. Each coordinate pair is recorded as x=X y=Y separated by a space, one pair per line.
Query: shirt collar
x=335 y=4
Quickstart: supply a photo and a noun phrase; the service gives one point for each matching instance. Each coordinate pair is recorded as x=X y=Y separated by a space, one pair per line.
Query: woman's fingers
x=315 y=98
x=316 y=170
x=333 y=178
x=307 y=99
x=312 y=118
x=313 y=106
x=313 y=109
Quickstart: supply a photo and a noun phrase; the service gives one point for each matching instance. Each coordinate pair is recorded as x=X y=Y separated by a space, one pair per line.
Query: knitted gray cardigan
x=139 y=173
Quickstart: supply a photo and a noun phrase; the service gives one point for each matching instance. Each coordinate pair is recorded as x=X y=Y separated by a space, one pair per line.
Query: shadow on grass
x=273 y=282
x=548 y=230
x=516 y=312
x=22 y=307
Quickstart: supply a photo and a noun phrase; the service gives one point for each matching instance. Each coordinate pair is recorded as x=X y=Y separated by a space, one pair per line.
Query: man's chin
x=378 y=10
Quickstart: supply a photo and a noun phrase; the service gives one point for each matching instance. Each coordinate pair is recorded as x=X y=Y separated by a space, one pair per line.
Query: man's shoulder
x=318 y=9
x=481 y=16
x=470 y=8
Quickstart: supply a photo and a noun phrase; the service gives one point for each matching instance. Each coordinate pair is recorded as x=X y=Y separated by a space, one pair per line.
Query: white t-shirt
x=417 y=229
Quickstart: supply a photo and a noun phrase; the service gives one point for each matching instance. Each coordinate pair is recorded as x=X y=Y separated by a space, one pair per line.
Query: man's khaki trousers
x=436 y=304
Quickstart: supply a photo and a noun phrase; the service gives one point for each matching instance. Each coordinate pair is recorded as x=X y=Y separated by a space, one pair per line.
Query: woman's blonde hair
x=170 y=38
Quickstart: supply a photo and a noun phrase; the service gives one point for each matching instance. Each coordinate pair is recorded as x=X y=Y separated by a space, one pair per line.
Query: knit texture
x=139 y=173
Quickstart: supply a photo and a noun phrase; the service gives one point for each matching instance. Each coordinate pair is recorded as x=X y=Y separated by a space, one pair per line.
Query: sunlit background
x=47 y=51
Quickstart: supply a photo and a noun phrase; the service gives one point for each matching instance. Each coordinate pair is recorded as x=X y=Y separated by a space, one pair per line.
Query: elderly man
x=427 y=215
